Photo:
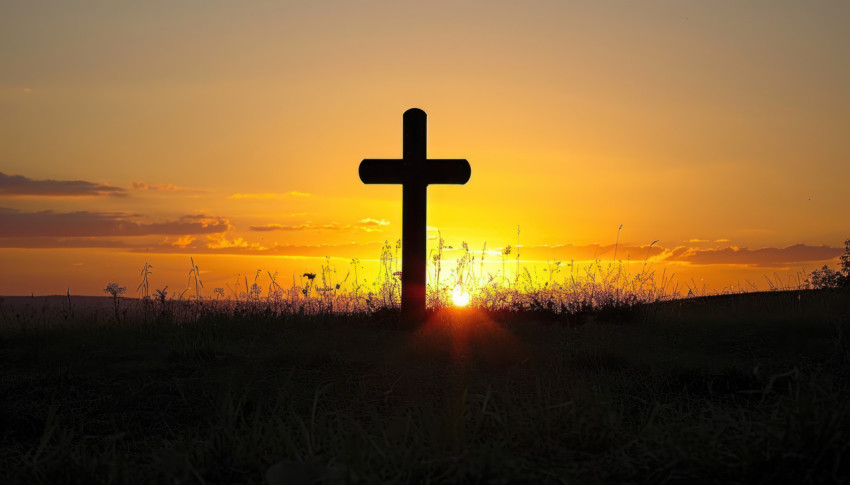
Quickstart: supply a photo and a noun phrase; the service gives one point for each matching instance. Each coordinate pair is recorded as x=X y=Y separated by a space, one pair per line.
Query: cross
x=414 y=171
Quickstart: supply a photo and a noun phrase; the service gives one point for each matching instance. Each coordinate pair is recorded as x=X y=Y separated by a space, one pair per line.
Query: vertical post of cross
x=413 y=249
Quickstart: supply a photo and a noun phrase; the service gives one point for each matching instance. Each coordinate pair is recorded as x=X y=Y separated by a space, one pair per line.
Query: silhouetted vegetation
x=827 y=277
x=591 y=374
x=726 y=389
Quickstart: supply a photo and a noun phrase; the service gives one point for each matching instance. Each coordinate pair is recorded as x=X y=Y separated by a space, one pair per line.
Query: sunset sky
x=231 y=132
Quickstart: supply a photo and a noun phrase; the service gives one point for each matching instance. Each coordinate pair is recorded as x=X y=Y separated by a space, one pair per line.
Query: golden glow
x=234 y=134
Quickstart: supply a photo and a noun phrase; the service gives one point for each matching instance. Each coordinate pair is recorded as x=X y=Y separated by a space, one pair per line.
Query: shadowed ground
x=709 y=390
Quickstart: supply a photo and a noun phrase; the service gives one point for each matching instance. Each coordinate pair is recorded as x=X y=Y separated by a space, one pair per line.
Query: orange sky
x=156 y=131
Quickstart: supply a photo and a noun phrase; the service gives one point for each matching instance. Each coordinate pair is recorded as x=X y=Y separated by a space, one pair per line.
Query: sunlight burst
x=460 y=297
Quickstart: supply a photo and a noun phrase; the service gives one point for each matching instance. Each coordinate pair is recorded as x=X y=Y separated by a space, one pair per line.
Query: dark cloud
x=18 y=185
x=14 y=223
x=589 y=252
x=60 y=242
x=763 y=257
x=797 y=253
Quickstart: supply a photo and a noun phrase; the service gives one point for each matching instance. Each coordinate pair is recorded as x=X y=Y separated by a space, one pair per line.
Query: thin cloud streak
x=269 y=195
x=334 y=226
x=588 y=252
x=155 y=187
x=373 y=222
x=796 y=253
x=14 y=223
x=729 y=255
x=368 y=224
x=219 y=244
x=18 y=185
x=61 y=243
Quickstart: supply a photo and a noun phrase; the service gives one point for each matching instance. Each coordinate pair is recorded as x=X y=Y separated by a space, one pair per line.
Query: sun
x=460 y=297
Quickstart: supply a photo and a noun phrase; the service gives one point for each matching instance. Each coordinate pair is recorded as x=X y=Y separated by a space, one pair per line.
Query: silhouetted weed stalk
x=116 y=291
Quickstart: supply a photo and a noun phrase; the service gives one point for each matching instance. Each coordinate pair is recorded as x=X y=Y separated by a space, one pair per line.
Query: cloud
x=797 y=253
x=587 y=252
x=18 y=185
x=14 y=223
x=368 y=225
x=297 y=227
x=269 y=195
x=183 y=241
x=222 y=244
x=762 y=257
x=61 y=242
x=373 y=222
x=155 y=187
x=275 y=227
x=346 y=250
x=220 y=241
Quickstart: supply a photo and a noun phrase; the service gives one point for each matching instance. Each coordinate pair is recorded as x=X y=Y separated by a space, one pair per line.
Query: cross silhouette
x=414 y=171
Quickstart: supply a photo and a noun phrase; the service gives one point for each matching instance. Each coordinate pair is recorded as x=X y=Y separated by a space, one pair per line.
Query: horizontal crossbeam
x=395 y=171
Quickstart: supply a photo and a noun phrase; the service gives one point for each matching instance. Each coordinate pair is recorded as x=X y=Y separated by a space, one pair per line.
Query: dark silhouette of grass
x=733 y=389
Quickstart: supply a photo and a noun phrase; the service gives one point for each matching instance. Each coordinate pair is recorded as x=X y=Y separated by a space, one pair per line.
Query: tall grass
x=568 y=289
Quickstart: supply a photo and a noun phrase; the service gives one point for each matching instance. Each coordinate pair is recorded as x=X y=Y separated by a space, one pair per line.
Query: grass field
x=726 y=389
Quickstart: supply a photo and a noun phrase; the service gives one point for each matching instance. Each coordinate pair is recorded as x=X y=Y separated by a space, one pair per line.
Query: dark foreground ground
x=718 y=390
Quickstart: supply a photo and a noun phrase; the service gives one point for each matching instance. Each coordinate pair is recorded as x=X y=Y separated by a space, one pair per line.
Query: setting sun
x=460 y=297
